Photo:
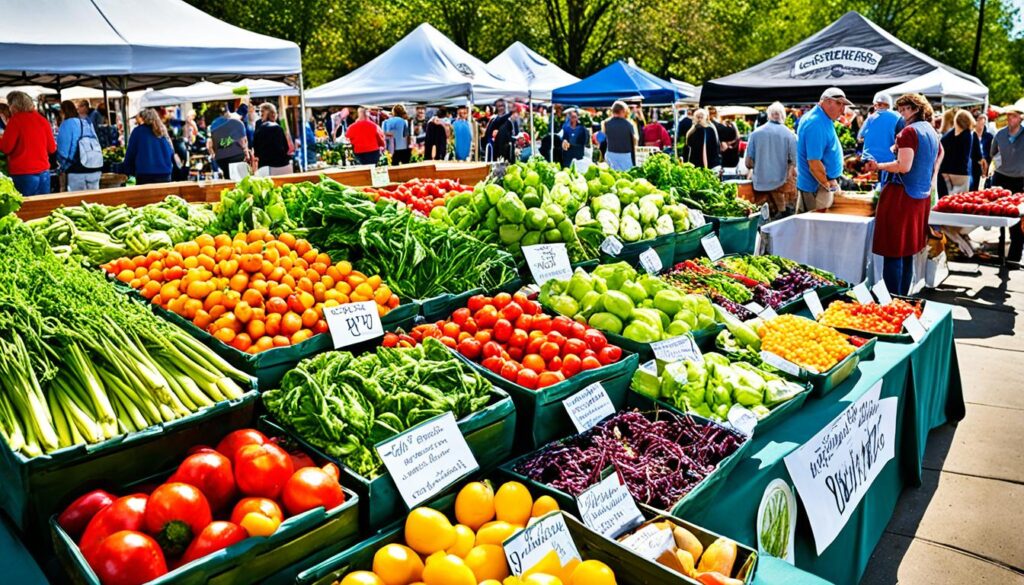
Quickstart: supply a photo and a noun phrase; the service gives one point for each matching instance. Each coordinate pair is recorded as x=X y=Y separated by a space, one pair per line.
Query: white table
x=968 y=220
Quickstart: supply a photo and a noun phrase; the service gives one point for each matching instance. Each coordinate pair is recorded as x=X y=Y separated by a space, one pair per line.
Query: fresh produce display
x=872 y=318
x=255 y=203
x=686 y=555
x=804 y=342
x=696 y=187
x=629 y=209
x=470 y=552
x=249 y=480
x=81 y=363
x=995 y=201
x=661 y=457
x=616 y=299
x=100 y=233
x=346 y=404
x=421 y=195
x=510 y=336
x=253 y=292
x=10 y=198
x=711 y=387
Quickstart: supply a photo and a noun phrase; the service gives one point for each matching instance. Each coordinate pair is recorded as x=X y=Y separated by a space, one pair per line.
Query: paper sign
x=881 y=293
x=712 y=247
x=527 y=547
x=765 y=214
x=650 y=541
x=650 y=261
x=608 y=508
x=650 y=367
x=696 y=218
x=930 y=315
x=677 y=349
x=813 y=303
x=589 y=406
x=353 y=323
x=780 y=363
x=862 y=294
x=611 y=246
x=765 y=313
x=742 y=419
x=379 y=177
x=427 y=458
x=834 y=469
x=776 y=521
x=914 y=327
x=548 y=261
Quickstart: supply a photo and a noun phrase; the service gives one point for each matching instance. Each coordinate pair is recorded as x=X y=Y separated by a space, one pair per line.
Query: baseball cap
x=883 y=98
x=834 y=93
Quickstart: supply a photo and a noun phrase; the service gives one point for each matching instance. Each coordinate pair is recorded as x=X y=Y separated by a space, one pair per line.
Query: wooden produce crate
x=854 y=203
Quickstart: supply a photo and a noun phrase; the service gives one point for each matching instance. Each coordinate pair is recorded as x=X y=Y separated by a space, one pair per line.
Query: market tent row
x=528 y=69
x=943 y=86
x=205 y=91
x=852 y=53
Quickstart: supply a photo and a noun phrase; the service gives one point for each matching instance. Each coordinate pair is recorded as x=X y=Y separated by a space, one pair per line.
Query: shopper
x=397 y=135
x=771 y=157
x=270 y=143
x=575 y=138
x=78 y=149
x=498 y=117
x=880 y=130
x=367 y=139
x=728 y=139
x=979 y=167
x=27 y=142
x=819 y=156
x=1008 y=146
x=656 y=135
x=506 y=130
x=621 y=138
x=228 y=142
x=149 y=156
x=702 y=148
x=435 y=145
x=960 y=146
x=901 y=220
x=189 y=130
x=462 y=128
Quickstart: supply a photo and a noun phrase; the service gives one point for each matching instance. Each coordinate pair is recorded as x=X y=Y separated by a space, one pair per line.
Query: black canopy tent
x=852 y=53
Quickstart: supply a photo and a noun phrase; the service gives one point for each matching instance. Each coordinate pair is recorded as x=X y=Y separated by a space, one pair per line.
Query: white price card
x=548 y=261
x=742 y=419
x=650 y=541
x=696 y=218
x=650 y=367
x=677 y=349
x=589 y=406
x=650 y=261
x=608 y=508
x=712 y=247
x=527 y=547
x=930 y=315
x=353 y=323
x=765 y=313
x=881 y=293
x=914 y=327
x=611 y=246
x=780 y=363
x=427 y=458
x=379 y=177
x=765 y=214
x=862 y=294
x=813 y=303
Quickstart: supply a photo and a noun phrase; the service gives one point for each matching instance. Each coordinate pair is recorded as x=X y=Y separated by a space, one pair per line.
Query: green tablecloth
x=926 y=379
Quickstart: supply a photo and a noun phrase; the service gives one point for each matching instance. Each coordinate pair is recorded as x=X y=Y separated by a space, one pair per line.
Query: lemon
x=464 y=541
x=592 y=573
x=395 y=564
x=543 y=505
x=487 y=561
x=495 y=532
x=542 y=579
x=447 y=570
x=474 y=506
x=428 y=531
x=361 y=578
x=513 y=503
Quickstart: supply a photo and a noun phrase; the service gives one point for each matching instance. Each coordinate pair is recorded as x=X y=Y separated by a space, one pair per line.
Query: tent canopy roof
x=205 y=91
x=618 y=81
x=156 y=43
x=941 y=84
x=852 y=53
x=528 y=68
x=424 y=67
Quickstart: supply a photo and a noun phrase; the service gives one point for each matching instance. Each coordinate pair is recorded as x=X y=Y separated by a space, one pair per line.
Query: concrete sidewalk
x=965 y=524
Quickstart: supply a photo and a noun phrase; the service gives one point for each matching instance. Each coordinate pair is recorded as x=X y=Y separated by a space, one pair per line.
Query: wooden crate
x=859 y=204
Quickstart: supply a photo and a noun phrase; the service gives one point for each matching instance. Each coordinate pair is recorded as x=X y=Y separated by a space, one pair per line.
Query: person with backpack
x=78 y=150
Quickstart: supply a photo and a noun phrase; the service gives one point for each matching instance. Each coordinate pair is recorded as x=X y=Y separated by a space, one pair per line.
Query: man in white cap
x=1008 y=149
x=880 y=130
x=819 y=156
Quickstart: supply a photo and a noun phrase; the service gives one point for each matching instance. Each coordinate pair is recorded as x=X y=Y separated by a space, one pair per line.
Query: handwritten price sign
x=353 y=323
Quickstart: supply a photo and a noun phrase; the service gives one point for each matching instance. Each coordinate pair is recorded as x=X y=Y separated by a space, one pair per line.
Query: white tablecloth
x=970 y=220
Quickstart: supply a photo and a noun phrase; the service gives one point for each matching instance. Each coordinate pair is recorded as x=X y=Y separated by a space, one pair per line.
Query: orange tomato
x=276 y=305
x=206 y=261
x=205 y=240
x=290 y=323
x=224 y=334
x=231 y=299
x=256 y=328
x=309 y=318
x=264 y=343
x=239 y=282
x=243 y=312
x=201 y=319
x=301 y=335
x=253 y=297
x=216 y=311
x=198 y=289
x=221 y=240
x=213 y=299
x=287 y=239
x=250 y=263
x=241 y=342
x=281 y=341
x=125 y=275
x=273 y=326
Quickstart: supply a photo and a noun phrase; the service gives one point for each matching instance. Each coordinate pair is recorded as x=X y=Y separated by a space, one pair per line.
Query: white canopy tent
x=531 y=70
x=945 y=86
x=263 y=88
x=690 y=92
x=205 y=91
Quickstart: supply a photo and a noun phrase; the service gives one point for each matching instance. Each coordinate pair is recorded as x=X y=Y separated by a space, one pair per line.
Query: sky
x=1019 y=4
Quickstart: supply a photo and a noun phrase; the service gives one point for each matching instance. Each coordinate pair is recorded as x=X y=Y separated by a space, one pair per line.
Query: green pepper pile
x=629 y=209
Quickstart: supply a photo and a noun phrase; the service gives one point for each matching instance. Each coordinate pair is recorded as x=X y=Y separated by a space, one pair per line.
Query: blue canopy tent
x=619 y=81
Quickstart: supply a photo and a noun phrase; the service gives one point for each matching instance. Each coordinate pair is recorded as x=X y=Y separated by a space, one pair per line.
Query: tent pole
x=302 y=122
x=529 y=97
x=124 y=109
x=675 y=130
x=474 y=146
x=106 y=99
x=551 y=131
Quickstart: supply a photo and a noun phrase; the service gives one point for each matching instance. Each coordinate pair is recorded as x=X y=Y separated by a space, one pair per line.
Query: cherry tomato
x=510 y=370
x=595 y=339
x=549 y=379
x=519 y=338
x=126 y=513
x=555 y=364
x=486 y=317
x=476 y=302
x=390 y=340
x=470 y=327
x=175 y=513
x=590 y=362
x=470 y=348
x=76 y=517
x=515 y=353
x=211 y=474
x=451 y=329
x=493 y=364
x=216 y=536
x=548 y=350
x=309 y=488
x=490 y=349
x=483 y=336
x=524 y=322
x=571 y=365
x=512 y=311
x=533 y=346
x=263 y=506
x=502 y=330
x=521 y=299
x=574 y=347
x=262 y=470
x=542 y=323
x=128 y=557
x=577 y=330
x=561 y=324
x=558 y=338
x=502 y=299
x=461 y=315
x=609 y=354
x=534 y=362
x=235 y=440
x=527 y=378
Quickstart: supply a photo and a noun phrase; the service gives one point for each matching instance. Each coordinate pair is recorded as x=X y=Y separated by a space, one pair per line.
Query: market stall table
x=925 y=378
x=973 y=221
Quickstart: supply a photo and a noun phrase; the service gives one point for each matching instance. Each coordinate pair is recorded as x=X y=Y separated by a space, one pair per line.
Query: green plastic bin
x=36 y=488
x=490 y=433
x=738 y=235
x=664 y=246
x=890 y=337
x=688 y=244
x=828 y=381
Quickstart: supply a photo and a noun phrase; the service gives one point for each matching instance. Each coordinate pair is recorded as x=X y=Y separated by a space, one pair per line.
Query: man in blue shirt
x=771 y=154
x=819 y=156
x=463 y=130
x=880 y=130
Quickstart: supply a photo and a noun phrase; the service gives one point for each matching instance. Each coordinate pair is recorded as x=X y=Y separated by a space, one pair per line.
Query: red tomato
x=309 y=488
x=527 y=378
x=461 y=315
x=216 y=536
x=76 y=517
x=126 y=513
x=211 y=473
x=493 y=364
x=235 y=440
x=510 y=371
x=533 y=346
x=512 y=311
x=530 y=307
x=491 y=349
x=557 y=338
x=502 y=299
x=562 y=324
x=483 y=336
x=555 y=364
x=449 y=341
x=502 y=330
x=548 y=350
x=176 y=512
x=470 y=348
x=521 y=299
x=519 y=338
x=128 y=557
x=571 y=365
x=534 y=362
x=267 y=507
x=451 y=330
x=595 y=339
x=609 y=354
x=515 y=353
x=486 y=317
x=476 y=302
x=574 y=347
x=577 y=330
x=542 y=323
x=549 y=379
x=590 y=363
x=199 y=449
x=262 y=470
x=524 y=322
x=390 y=340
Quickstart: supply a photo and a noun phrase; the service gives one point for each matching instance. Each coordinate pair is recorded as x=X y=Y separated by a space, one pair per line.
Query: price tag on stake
x=862 y=294
x=677 y=349
x=548 y=261
x=611 y=246
x=914 y=327
x=765 y=214
x=930 y=315
x=712 y=247
x=696 y=218
x=650 y=261
x=765 y=313
x=650 y=366
x=379 y=177
x=353 y=323
x=780 y=363
x=427 y=458
x=882 y=293
x=589 y=406
x=528 y=546
x=813 y=303
x=742 y=419
x=608 y=507
x=650 y=541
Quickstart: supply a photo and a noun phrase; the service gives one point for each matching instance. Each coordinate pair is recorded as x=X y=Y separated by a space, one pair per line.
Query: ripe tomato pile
x=872 y=317
x=804 y=342
x=995 y=201
x=421 y=195
x=249 y=483
x=510 y=336
x=254 y=291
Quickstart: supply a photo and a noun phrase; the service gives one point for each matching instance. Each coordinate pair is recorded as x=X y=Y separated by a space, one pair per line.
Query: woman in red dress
x=901 y=220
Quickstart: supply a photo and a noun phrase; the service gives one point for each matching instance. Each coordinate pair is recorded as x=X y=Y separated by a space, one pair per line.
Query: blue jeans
x=368 y=158
x=898 y=274
x=37 y=184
